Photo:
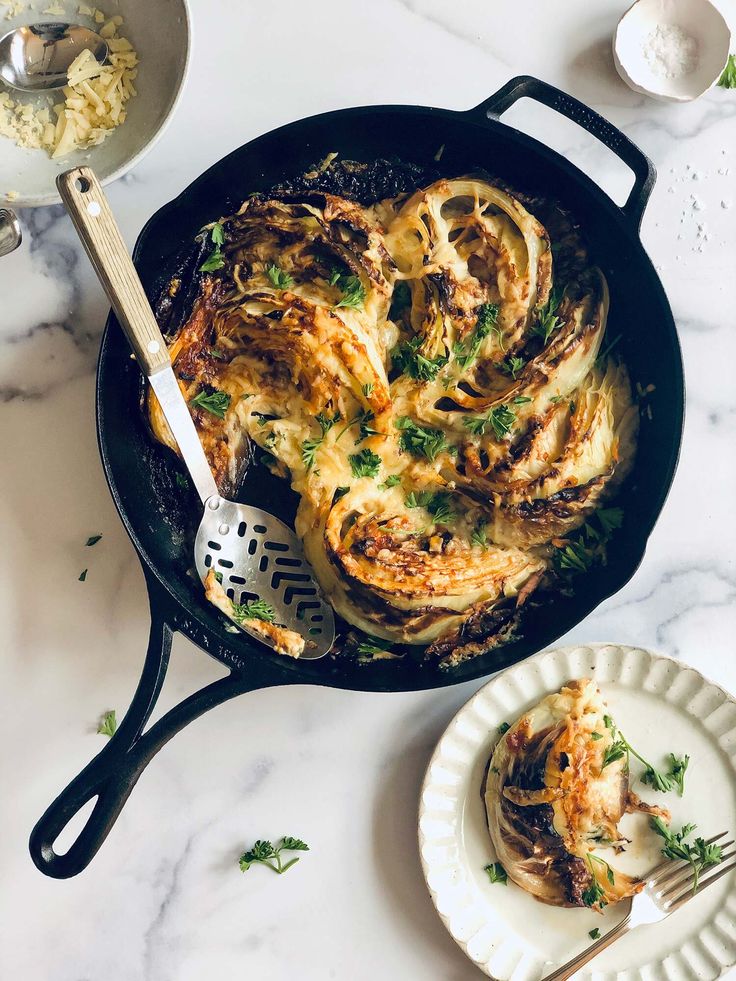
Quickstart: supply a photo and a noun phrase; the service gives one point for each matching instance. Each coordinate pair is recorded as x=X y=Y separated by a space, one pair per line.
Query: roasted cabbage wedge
x=553 y=803
x=430 y=387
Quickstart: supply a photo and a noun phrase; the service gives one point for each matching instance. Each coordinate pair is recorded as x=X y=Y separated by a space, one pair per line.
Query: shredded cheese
x=94 y=100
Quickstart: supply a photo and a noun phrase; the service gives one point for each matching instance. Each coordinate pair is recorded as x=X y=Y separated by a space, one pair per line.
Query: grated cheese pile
x=94 y=100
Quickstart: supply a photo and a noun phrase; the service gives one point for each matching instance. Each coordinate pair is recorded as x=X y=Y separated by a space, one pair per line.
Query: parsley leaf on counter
x=213 y=400
x=82 y=575
x=496 y=873
x=265 y=853
x=728 y=78
x=92 y=540
x=594 y=934
x=108 y=724
x=280 y=279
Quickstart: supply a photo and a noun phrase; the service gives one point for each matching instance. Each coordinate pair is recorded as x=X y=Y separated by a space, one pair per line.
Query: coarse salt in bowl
x=672 y=50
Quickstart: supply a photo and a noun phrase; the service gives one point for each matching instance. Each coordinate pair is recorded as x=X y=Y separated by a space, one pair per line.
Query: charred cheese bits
x=426 y=381
x=554 y=801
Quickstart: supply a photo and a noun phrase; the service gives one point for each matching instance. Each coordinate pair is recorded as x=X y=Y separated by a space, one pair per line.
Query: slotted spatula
x=257 y=555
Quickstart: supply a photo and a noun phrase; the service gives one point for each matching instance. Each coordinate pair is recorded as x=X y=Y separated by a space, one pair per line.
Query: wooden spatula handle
x=85 y=201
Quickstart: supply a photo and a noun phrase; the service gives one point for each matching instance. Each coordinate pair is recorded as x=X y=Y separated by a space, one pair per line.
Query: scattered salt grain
x=725 y=205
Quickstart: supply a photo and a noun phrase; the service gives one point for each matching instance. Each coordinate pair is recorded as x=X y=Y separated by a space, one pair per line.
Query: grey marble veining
x=164 y=899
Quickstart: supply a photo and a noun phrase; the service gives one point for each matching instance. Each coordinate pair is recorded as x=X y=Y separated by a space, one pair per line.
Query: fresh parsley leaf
x=500 y=419
x=513 y=366
x=420 y=441
x=487 y=323
x=217 y=234
x=503 y=728
x=594 y=894
x=390 y=481
x=215 y=260
x=212 y=400
x=728 y=78
x=596 y=735
x=437 y=504
x=369 y=646
x=108 y=724
x=181 y=481
x=407 y=360
x=418 y=500
x=309 y=451
x=365 y=419
x=265 y=853
x=367 y=389
x=614 y=752
x=339 y=492
x=480 y=536
x=610 y=519
x=217 y=353
x=521 y=400
x=92 y=540
x=327 y=422
x=280 y=279
x=353 y=292
x=594 y=934
x=677 y=772
x=547 y=323
x=365 y=464
x=256 y=610
x=496 y=873
x=699 y=854
x=82 y=575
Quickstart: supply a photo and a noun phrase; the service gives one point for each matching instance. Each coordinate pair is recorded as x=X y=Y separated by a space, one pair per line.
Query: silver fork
x=667 y=887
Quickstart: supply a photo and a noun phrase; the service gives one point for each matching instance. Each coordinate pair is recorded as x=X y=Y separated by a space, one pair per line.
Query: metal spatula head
x=259 y=557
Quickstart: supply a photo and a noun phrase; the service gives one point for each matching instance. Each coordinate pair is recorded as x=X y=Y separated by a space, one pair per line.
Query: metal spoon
x=38 y=56
x=255 y=554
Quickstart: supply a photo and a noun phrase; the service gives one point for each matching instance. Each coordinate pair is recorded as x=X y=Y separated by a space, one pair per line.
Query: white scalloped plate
x=662 y=706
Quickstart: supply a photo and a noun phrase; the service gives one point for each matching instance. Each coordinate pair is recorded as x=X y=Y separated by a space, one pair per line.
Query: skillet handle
x=528 y=87
x=112 y=774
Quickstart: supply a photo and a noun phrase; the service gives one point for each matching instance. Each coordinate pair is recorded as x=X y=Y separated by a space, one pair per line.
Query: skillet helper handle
x=113 y=773
x=528 y=87
x=93 y=219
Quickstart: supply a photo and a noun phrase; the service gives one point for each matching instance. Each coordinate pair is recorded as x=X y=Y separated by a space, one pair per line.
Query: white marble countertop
x=164 y=899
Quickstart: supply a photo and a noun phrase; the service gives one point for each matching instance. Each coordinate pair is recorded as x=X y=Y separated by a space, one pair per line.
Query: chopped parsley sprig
x=108 y=724
x=438 y=505
x=212 y=400
x=547 y=320
x=500 y=419
x=408 y=360
x=660 y=780
x=255 y=610
x=216 y=259
x=420 y=440
x=365 y=464
x=487 y=323
x=496 y=873
x=264 y=853
x=728 y=78
x=280 y=279
x=699 y=853
x=353 y=291
x=588 y=547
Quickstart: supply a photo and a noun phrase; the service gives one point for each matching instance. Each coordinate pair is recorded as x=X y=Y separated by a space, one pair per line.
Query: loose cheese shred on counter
x=94 y=100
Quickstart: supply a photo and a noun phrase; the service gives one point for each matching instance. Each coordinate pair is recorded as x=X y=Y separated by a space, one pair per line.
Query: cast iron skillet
x=140 y=473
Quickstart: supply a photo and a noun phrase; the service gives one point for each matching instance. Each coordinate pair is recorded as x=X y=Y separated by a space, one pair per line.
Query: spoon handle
x=95 y=223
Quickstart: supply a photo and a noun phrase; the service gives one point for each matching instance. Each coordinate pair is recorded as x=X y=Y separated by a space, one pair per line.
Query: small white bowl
x=698 y=18
x=159 y=30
